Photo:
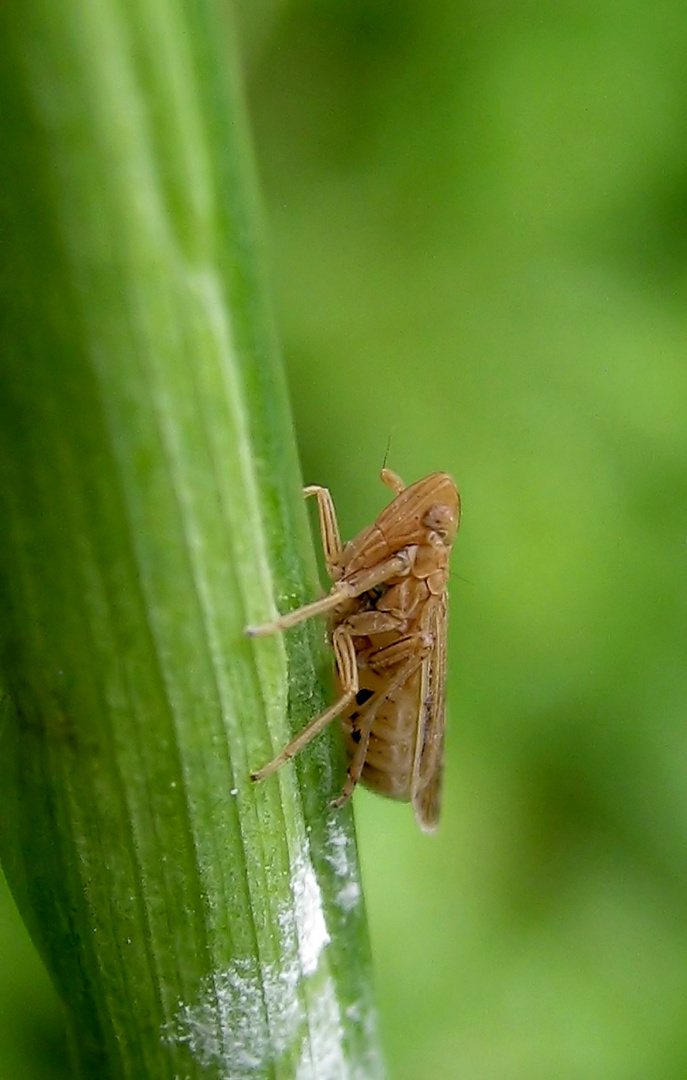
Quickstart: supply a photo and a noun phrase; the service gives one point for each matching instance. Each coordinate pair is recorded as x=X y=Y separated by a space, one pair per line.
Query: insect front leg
x=329 y=528
x=347 y=670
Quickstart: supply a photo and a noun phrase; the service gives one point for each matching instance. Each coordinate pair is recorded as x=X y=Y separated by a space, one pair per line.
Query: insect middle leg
x=347 y=669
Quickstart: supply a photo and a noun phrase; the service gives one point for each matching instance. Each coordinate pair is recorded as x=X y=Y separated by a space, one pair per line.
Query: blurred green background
x=477 y=216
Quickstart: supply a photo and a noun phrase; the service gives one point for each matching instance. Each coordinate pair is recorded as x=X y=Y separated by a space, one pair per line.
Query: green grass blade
x=194 y=925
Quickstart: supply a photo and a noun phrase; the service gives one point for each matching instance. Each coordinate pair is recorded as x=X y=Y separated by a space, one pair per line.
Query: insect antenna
x=459 y=577
x=386 y=452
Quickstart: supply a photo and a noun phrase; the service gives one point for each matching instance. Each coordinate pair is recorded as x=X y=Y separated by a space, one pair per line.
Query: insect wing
x=428 y=761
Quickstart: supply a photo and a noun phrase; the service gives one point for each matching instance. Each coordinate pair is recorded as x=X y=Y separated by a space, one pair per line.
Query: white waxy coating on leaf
x=322 y=1052
x=341 y=855
x=227 y=1024
x=245 y=1018
x=311 y=928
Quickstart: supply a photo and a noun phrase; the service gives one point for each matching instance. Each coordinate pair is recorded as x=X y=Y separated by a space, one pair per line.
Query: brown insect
x=388 y=610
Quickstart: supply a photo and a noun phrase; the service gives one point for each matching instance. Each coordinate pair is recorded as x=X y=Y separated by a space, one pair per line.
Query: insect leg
x=421 y=642
x=329 y=528
x=364 y=623
x=355 y=768
x=344 y=590
x=347 y=670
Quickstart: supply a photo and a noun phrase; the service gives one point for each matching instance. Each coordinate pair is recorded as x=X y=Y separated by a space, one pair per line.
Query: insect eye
x=441 y=520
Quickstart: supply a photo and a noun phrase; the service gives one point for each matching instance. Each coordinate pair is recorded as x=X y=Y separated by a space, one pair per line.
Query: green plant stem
x=194 y=924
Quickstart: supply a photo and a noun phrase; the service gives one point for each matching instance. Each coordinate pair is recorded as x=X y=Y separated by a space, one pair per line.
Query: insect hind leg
x=347 y=670
x=355 y=768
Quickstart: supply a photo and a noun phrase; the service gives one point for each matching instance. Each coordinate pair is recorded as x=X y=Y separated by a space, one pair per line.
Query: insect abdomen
x=389 y=761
